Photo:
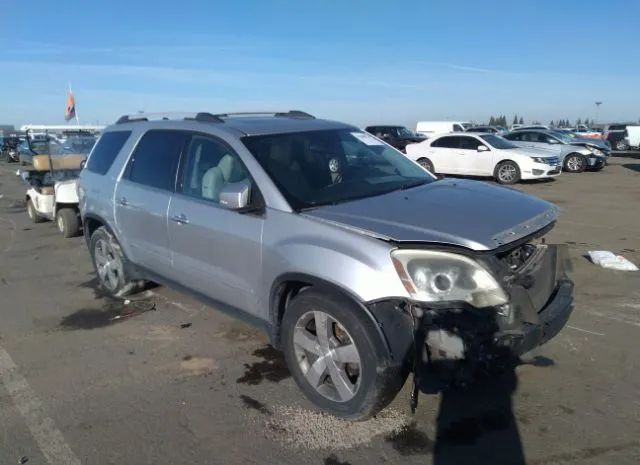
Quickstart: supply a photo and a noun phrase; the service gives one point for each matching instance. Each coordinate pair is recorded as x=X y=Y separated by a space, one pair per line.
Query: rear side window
x=106 y=151
x=457 y=128
x=154 y=162
x=446 y=142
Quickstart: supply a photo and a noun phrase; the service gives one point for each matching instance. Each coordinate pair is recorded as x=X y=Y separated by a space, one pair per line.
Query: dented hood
x=470 y=214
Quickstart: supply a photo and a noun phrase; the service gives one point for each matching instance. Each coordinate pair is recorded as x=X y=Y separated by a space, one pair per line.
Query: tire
x=426 y=164
x=67 y=222
x=110 y=264
x=367 y=386
x=621 y=146
x=507 y=172
x=33 y=213
x=575 y=163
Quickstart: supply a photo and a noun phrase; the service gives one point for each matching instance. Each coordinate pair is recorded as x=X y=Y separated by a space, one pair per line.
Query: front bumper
x=596 y=161
x=540 y=171
x=552 y=319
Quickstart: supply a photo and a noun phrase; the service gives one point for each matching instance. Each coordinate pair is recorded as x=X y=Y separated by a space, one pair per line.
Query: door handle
x=123 y=201
x=180 y=219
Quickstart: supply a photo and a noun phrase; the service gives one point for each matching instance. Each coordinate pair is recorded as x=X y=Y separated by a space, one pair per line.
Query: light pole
x=598 y=111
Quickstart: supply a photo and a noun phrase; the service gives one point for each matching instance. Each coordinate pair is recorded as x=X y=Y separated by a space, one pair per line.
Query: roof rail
x=280 y=114
x=202 y=116
x=209 y=117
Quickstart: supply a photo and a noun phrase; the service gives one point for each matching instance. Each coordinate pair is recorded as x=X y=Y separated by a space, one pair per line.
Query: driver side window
x=210 y=165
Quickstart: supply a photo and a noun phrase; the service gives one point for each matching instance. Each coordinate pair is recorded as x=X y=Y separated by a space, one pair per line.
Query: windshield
x=333 y=166
x=498 y=142
x=564 y=137
x=466 y=125
x=404 y=132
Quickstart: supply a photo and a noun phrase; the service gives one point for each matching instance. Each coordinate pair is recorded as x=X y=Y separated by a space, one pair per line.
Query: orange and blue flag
x=71 y=107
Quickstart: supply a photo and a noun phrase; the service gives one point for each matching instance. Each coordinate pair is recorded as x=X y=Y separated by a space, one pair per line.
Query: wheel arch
x=91 y=222
x=288 y=285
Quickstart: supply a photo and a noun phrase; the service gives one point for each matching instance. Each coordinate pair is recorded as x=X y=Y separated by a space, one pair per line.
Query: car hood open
x=469 y=214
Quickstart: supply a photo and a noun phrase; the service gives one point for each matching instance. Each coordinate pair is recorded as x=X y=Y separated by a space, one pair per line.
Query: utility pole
x=598 y=111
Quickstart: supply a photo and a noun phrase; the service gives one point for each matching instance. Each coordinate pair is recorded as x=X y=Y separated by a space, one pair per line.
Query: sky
x=362 y=62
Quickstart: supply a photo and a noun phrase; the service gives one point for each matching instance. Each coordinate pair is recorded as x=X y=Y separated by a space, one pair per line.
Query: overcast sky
x=357 y=61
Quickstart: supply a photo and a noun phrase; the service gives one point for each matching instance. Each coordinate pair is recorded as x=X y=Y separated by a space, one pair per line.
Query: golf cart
x=52 y=193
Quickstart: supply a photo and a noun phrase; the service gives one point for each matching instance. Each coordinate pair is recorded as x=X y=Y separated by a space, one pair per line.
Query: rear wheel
x=330 y=348
x=575 y=163
x=507 y=172
x=426 y=164
x=67 y=222
x=33 y=213
x=111 y=264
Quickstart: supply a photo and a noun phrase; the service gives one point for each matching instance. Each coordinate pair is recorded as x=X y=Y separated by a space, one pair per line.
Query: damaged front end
x=533 y=303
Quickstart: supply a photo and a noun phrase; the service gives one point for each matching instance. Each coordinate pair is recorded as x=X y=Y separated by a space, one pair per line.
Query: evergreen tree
x=492 y=121
x=586 y=122
x=515 y=119
x=578 y=122
x=521 y=120
x=551 y=123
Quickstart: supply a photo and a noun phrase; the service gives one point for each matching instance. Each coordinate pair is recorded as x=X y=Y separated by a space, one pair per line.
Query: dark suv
x=396 y=136
x=616 y=134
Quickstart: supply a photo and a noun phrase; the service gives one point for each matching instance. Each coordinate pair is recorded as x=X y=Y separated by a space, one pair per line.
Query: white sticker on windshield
x=366 y=138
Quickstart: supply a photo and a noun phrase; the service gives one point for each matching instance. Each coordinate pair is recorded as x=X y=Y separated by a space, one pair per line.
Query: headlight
x=431 y=276
x=594 y=150
x=540 y=160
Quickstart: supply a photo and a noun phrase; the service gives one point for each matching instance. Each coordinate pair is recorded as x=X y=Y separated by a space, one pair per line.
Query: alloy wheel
x=60 y=223
x=507 y=173
x=108 y=265
x=574 y=163
x=327 y=356
x=620 y=145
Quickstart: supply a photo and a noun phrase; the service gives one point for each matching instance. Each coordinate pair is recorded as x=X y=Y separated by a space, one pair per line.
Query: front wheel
x=507 y=172
x=621 y=146
x=67 y=222
x=34 y=216
x=110 y=264
x=330 y=348
x=575 y=163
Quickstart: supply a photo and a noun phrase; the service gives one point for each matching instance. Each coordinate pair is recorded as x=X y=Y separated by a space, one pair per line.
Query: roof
x=254 y=124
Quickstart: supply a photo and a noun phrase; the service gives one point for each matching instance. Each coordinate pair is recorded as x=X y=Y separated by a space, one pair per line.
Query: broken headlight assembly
x=432 y=276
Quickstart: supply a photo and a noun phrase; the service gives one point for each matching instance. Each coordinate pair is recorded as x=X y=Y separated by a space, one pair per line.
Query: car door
x=442 y=152
x=216 y=251
x=143 y=195
x=468 y=159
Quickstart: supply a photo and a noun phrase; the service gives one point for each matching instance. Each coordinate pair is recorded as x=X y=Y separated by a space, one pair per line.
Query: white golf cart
x=52 y=193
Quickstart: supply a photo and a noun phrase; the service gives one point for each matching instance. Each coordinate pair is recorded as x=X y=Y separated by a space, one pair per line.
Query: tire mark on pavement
x=43 y=429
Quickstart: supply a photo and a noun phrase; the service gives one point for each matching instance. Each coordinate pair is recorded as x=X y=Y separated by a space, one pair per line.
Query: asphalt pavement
x=164 y=379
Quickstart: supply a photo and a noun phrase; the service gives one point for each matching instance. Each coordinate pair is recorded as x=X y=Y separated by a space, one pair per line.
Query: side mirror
x=483 y=148
x=235 y=195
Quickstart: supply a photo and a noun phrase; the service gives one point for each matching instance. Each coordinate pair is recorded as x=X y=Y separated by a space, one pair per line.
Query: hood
x=470 y=214
x=538 y=151
x=599 y=143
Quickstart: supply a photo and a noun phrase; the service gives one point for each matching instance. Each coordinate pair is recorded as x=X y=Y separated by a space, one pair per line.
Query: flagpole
x=75 y=108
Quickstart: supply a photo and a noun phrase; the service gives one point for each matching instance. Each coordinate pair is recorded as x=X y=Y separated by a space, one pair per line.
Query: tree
x=579 y=122
x=515 y=119
x=492 y=121
x=551 y=123
x=521 y=120
x=586 y=122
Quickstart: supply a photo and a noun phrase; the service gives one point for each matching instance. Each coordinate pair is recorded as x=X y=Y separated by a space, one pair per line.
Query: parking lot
x=164 y=379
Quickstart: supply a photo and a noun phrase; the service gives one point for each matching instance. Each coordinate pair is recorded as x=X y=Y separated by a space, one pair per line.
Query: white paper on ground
x=607 y=259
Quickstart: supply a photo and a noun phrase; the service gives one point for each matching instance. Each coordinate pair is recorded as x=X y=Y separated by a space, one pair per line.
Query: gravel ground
x=78 y=386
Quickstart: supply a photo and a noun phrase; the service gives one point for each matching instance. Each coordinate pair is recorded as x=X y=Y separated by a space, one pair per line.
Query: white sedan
x=483 y=155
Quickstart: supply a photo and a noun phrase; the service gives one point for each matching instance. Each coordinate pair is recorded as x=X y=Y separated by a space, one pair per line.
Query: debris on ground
x=137 y=307
x=302 y=428
x=24 y=459
x=185 y=325
x=607 y=259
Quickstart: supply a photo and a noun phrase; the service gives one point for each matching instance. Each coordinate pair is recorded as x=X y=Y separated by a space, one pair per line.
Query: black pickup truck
x=396 y=136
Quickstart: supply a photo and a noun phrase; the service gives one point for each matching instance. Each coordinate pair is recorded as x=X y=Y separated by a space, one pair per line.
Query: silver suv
x=360 y=265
